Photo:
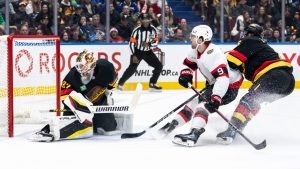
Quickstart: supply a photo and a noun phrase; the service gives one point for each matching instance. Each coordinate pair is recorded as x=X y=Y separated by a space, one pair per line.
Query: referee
x=142 y=39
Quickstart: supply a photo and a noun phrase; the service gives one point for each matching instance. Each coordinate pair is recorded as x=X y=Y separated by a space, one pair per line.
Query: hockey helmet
x=255 y=29
x=85 y=63
x=203 y=31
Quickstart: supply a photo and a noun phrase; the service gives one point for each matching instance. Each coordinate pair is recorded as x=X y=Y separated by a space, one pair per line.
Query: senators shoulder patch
x=210 y=51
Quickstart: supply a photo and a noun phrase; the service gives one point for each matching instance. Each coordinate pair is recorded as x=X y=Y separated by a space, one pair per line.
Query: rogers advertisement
x=32 y=62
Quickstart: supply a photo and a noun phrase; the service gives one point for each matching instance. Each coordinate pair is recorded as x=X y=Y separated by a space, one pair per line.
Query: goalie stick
x=134 y=135
x=121 y=109
x=259 y=146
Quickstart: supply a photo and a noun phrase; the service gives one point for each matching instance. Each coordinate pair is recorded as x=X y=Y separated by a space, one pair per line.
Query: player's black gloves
x=186 y=77
x=213 y=103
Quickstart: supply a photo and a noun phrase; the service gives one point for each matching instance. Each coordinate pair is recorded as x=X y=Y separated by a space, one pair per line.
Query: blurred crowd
x=84 y=20
x=238 y=14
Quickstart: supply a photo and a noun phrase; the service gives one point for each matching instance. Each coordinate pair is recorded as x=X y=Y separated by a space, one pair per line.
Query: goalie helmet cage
x=8 y=47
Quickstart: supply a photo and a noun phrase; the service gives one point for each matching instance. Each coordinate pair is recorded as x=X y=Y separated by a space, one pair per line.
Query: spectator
x=210 y=14
x=261 y=17
x=99 y=4
x=169 y=29
x=124 y=28
x=157 y=5
x=178 y=36
x=242 y=21
x=33 y=8
x=276 y=36
x=20 y=16
x=154 y=18
x=86 y=31
x=89 y=9
x=65 y=36
x=97 y=28
x=39 y=32
x=114 y=15
x=23 y=30
x=185 y=28
x=13 y=30
x=44 y=12
x=241 y=8
x=114 y=36
x=131 y=17
x=268 y=30
x=296 y=24
x=76 y=16
x=45 y=25
x=170 y=16
x=76 y=36
x=132 y=6
x=66 y=11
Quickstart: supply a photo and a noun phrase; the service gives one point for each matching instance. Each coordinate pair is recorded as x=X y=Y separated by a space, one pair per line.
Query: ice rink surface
x=278 y=123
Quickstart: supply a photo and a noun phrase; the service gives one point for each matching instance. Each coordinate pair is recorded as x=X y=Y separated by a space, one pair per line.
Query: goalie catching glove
x=186 y=77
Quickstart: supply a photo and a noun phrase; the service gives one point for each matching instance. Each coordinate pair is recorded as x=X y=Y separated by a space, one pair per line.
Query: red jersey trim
x=238 y=55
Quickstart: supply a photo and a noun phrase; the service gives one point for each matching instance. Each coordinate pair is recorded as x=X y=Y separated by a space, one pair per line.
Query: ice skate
x=189 y=139
x=226 y=137
x=154 y=88
x=168 y=128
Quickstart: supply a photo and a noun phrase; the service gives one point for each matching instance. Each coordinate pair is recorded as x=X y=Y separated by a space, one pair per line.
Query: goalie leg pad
x=63 y=127
x=124 y=122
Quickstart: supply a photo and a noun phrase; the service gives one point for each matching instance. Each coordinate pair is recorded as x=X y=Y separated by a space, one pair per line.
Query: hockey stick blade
x=132 y=135
x=261 y=145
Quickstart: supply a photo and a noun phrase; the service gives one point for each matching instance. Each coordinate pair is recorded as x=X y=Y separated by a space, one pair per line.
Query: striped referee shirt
x=141 y=34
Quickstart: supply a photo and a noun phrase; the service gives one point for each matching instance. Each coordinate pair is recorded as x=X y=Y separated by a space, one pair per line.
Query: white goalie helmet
x=85 y=63
x=202 y=31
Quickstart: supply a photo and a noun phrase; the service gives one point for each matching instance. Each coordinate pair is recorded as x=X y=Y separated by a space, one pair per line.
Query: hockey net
x=29 y=80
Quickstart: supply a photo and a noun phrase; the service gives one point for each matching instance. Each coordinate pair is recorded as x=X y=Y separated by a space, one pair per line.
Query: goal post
x=30 y=68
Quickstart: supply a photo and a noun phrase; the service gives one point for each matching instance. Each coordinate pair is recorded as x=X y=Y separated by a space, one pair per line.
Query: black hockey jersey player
x=104 y=77
x=259 y=55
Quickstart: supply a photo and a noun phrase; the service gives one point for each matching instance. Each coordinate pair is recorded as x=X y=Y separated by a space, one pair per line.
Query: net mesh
x=34 y=80
x=3 y=86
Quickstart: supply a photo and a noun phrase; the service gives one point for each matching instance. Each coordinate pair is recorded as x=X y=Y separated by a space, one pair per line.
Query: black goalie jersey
x=254 y=57
x=104 y=77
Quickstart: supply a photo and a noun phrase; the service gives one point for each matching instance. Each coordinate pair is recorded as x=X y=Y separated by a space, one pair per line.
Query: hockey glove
x=186 y=77
x=213 y=103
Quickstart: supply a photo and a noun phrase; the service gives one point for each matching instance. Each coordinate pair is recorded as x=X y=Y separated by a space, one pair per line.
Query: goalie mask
x=85 y=64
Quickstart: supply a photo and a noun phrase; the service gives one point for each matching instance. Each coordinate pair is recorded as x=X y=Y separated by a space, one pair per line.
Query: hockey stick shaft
x=134 y=135
x=259 y=146
x=122 y=109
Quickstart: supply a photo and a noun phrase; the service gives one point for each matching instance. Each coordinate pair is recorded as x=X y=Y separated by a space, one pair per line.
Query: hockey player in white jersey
x=222 y=85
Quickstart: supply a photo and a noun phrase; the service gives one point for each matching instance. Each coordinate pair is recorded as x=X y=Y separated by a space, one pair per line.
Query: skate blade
x=187 y=143
x=224 y=141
